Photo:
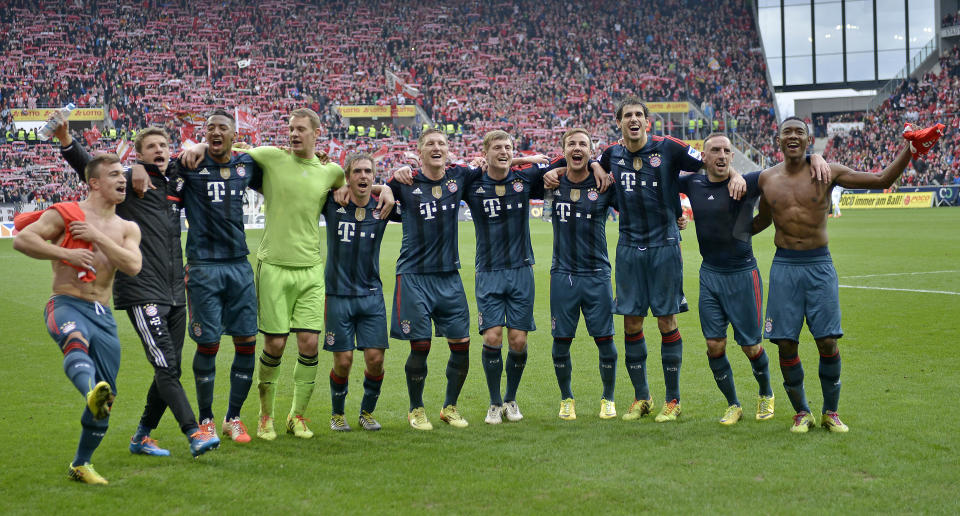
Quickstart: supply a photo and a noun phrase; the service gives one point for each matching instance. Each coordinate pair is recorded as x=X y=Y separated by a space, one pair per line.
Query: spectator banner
x=696 y=144
x=668 y=107
x=40 y=115
x=887 y=200
x=842 y=127
x=375 y=111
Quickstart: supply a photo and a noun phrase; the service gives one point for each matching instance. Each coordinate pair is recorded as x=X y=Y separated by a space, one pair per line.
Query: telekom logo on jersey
x=427 y=209
x=216 y=190
x=562 y=209
x=492 y=207
x=346 y=231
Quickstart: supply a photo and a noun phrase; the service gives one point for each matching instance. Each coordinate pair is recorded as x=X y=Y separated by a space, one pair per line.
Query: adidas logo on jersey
x=417 y=191
x=480 y=190
x=341 y=210
x=204 y=172
x=621 y=162
x=710 y=198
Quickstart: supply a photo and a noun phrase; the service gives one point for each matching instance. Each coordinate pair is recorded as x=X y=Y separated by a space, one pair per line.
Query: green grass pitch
x=900 y=372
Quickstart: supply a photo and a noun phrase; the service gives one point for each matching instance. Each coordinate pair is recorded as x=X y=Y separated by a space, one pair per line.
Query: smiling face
x=303 y=136
x=433 y=151
x=576 y=150
x=793 y=138
x=155 y=150
x=717 y=155
x=220 y=134
x=499 y=154
x=633 y=123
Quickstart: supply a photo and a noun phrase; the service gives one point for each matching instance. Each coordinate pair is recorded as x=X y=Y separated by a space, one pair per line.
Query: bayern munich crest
x=517 y=186
x=655 y=161
x=331 y=338
x=452 y=186
x=241 y=170
x=151 y=310
x=196 y=329
x=768 y=325
x=68 y=327
x=593 y=195
x=405 y=326
x=480 y=318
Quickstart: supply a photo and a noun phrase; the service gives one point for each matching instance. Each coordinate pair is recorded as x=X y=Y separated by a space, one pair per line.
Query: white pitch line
x=898 y=274
x=904 y=290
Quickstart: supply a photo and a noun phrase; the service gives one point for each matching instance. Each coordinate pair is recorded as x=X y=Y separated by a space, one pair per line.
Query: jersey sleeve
x=262 y=154
x=686 y=157
x=683 y=182
x=753 y=183
x=339 y=177
x=256 y=177
x=605 y=158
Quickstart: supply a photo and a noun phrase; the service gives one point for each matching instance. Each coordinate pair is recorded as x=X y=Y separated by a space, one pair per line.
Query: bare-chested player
x=78 y=316
x=803 y=281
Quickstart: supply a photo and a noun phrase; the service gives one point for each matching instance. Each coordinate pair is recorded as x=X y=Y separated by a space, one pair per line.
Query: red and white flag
x=336 y=151
x=124 y=149
x=398 y=86
x=247 y=124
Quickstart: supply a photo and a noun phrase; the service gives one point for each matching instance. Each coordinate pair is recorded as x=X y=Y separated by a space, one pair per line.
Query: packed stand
x=932 y=99
x=532 y=68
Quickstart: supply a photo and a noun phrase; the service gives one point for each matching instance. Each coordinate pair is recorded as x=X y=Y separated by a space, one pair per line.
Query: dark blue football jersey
x=354 y=234
x=428 y=211
x=501 y=218
x=213 y=199
x=579 y=227
x=647 y=189
x=723 y=224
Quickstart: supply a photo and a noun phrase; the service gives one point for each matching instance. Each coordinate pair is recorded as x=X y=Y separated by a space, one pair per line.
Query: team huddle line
x=124 y=240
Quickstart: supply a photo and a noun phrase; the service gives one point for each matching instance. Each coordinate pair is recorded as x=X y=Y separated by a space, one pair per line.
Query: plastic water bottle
x=548 y=195
x=48 y=128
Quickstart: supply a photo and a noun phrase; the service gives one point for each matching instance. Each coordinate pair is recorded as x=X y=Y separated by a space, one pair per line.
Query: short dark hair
x=789 y=118
x=631 y=100
x=224 y=113
x=92 y=170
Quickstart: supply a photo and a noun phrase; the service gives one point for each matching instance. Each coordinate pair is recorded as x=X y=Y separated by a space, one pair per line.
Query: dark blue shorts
x=731 y=298
x=355 y=322
x=420 y=298
x=649 y=278
x=571 y=294
x=803 y=284
x=65 y=315
x=222 y=300
x=505 y=298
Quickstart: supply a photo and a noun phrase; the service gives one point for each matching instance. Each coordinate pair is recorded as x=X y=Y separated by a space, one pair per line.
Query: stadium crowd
x=528 y=67
x=933 y=98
